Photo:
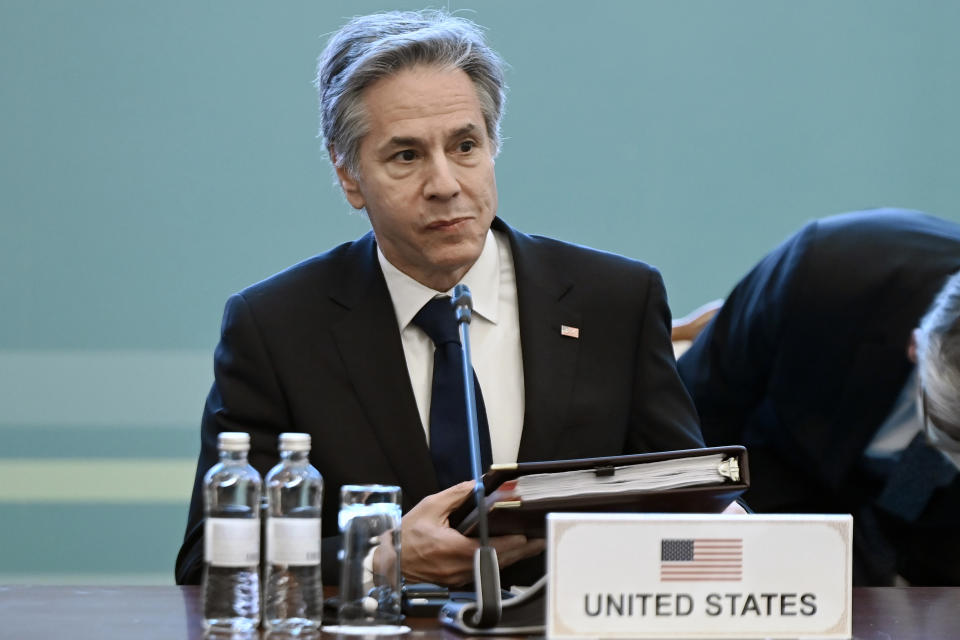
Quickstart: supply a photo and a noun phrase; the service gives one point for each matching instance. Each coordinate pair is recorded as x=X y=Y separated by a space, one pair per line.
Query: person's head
x=410 y=108
x=368 y=48
x=937 y=345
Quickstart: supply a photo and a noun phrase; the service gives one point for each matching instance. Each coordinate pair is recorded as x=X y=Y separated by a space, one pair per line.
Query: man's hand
x=433 y=552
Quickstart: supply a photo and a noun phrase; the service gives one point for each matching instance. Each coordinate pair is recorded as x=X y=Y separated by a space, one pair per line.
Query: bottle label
x=231 y=542
x=293 y=541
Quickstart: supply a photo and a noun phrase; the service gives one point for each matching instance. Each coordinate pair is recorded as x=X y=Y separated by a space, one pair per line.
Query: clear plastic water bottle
x=293 y=600
x=231 y=539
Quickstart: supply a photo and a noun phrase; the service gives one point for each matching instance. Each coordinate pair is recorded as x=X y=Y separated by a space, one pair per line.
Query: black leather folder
x=513 y=507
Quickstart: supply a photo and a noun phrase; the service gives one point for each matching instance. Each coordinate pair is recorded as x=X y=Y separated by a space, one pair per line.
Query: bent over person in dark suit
x=571 y=346
x=836 y=361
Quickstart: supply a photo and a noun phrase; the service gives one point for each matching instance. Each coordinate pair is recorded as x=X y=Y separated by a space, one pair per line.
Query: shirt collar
x=483 y=278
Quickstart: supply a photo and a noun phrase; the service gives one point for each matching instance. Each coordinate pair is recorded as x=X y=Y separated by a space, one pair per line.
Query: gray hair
x=368 y=48
x=938 y=357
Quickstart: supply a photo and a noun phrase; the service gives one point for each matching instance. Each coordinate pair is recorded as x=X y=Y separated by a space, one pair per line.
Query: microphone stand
x=486 y=570
x=523 y=614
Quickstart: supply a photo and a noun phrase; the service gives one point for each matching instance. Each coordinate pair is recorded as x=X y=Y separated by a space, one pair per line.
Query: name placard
x=636 y=575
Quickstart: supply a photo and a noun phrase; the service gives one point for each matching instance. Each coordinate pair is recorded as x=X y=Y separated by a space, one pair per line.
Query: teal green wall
x=157 y=156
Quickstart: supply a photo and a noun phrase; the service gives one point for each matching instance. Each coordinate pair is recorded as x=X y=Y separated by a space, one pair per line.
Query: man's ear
x=912 y=347
x=349 y=184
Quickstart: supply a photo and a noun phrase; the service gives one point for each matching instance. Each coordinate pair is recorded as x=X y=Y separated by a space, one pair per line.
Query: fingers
x=437 y=554
x=532 y=548
x=440 y=505
x=512 y=549
x=432 y=551
x=504 y=544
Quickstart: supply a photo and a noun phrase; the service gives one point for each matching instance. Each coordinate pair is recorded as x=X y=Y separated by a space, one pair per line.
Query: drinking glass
x=369 y=520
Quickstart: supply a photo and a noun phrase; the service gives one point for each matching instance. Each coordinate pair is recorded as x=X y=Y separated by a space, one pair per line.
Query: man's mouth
x=440 y=225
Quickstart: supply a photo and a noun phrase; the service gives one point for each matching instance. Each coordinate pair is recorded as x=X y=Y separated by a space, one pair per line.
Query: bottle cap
x=233 y=441
x=294 y=442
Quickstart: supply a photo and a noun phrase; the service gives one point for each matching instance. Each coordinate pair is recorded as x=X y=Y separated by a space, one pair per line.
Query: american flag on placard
x=701 y=559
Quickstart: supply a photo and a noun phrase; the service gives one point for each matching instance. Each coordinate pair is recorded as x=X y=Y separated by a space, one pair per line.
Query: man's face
x=426 y=173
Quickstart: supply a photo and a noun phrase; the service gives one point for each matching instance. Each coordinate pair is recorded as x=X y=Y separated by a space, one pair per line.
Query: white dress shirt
x=494 y=340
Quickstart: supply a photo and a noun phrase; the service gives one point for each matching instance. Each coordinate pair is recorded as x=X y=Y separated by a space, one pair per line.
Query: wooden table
x=170 y=613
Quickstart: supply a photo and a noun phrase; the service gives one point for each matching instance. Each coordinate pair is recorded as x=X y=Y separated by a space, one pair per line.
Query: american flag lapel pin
x=569 y=332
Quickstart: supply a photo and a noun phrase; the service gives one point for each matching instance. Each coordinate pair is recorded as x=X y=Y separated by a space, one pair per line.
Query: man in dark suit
x=571 y=345
x=816 y=362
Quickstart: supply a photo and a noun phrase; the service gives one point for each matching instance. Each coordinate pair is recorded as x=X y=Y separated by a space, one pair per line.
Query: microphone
x=486 y=570
x=489 y=615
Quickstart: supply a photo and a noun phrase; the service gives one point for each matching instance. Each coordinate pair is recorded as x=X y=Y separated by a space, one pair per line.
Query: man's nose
x=441 y=183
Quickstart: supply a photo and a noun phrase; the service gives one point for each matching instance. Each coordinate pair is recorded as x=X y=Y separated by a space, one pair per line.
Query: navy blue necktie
x=449 y=435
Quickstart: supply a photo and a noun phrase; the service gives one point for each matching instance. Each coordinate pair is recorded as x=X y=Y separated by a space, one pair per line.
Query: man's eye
x=467 y=146
x=407 y=155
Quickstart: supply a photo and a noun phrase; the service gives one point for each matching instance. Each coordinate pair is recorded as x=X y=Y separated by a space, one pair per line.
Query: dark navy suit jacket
x=316 y=349
x=803 y=364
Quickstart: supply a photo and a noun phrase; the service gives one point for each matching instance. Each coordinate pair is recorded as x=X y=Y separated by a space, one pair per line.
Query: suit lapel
x=549 y=358
x=369 y=343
